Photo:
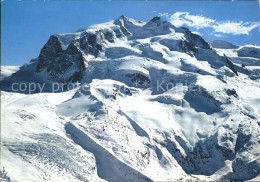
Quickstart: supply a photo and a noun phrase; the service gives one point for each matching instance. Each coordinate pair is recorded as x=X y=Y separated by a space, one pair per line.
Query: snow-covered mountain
x=150 y=102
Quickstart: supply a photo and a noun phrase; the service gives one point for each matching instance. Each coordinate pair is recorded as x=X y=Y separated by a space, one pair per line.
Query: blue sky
x=27 y=25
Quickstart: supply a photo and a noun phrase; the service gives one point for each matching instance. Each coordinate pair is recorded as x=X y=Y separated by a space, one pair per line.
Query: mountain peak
x=123 y=17
x=129 y=21
x=156 y=19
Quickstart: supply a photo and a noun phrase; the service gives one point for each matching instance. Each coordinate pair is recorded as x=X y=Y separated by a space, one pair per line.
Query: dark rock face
x=91 y=43
x=231 y=65
x=139 y=79
x=109 y=36
x=187 y=47
x=195 y=40
x=68 y=65
x=190 y=45
x=232 y=92
x=156 y=18
x=158 y=21
x=157 y=24
x=48 y=54
x=61 y=65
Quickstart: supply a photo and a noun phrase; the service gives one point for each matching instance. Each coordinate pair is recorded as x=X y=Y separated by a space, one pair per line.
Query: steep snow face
x=153 y=103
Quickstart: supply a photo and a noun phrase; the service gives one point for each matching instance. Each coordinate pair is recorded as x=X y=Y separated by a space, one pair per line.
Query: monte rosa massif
x=152 y=102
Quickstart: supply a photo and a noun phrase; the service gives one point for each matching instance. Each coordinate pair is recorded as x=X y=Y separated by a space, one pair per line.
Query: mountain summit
x=65 y=57
x=152 y=102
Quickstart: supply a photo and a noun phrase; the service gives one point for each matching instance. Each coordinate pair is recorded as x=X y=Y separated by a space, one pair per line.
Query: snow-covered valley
x=150 y=102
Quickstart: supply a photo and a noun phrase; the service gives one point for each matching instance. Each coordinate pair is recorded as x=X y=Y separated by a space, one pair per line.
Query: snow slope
x=152 y=102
